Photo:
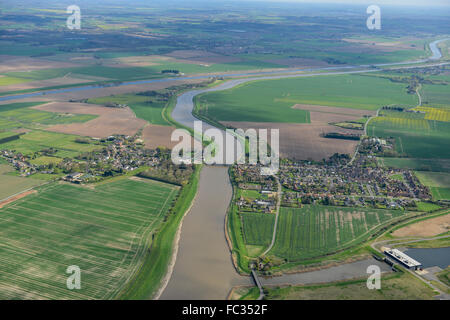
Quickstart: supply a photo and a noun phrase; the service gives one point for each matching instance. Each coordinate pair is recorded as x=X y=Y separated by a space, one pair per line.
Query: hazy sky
x=379 y=2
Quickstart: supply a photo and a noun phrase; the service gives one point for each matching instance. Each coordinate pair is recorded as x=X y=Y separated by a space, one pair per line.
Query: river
x=436 y=55
x=431 y=257
x=203 y=267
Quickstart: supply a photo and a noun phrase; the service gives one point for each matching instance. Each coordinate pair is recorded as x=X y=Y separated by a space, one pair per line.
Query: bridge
x=258 y=284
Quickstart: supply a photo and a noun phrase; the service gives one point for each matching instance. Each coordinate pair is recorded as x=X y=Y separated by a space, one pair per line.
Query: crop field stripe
x=300 y=233
x=105 y=269
x=81 y=206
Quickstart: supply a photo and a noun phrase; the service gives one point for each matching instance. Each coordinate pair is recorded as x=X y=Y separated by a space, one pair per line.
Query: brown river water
x=204 y=269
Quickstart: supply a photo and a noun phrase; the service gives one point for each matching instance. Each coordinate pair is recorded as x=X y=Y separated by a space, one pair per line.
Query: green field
x=20 y=115
x=438 y=165
x=105 y=231
x=314 y=230
x=147 y=108
x=439 y=184
x=415 y=138
x=272 y=100
x=11 y=184
x=38 y=140
x=258 y=228
x=436 y=95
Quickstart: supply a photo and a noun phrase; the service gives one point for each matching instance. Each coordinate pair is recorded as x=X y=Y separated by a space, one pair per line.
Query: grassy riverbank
x=148 y=279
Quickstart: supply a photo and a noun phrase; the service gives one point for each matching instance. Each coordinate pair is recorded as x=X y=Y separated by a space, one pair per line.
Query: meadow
x=272 y=100
x=315 y=231
x=105 y=230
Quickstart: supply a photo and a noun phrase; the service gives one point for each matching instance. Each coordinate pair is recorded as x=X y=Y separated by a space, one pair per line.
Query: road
x=277 y=214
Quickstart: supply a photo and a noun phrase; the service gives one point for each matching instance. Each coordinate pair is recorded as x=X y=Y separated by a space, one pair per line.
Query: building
x=402 y=258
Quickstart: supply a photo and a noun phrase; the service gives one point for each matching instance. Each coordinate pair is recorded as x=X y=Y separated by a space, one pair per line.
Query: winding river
x=203 y=267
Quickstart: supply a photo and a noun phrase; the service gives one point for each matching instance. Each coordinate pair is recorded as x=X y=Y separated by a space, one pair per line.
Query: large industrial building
x=403 y=258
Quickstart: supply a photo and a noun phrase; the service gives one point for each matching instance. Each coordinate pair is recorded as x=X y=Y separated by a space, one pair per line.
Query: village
x=119 y=155
x=334 y=181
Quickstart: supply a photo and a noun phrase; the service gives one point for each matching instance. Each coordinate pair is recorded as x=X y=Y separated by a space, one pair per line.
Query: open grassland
x=37 y=140
x=11 y=184
x=272 y=100
x=439 y=184
x=399 y=286
x=315 y=231
x=258 y=228
x=106 y=231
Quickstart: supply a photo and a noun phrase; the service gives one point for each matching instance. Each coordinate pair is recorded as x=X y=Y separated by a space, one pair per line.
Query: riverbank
x=150 y=278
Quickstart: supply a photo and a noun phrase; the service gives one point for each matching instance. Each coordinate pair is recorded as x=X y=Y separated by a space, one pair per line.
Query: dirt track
x=15 y=198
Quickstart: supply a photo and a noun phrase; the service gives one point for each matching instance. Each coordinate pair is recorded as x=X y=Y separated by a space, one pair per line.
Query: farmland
x=315 y=231
x=439 y=184
x=37 y=140
x=104 y=230
x=258 y=228
x=272 y=100
x=145 y=107
x=415 y=138
x=12 y=184
x=21 y=115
